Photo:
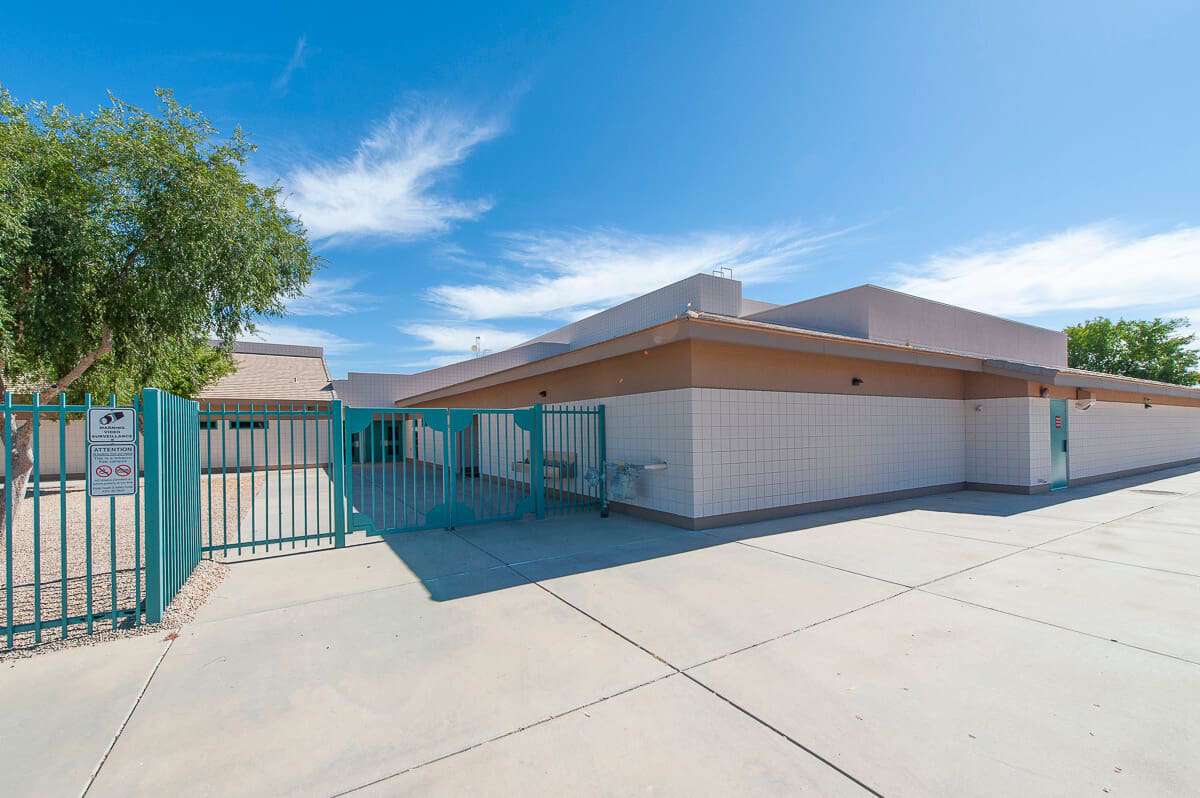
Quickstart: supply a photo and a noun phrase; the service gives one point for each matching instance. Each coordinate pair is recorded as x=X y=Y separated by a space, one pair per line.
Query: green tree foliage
x=128 y=241
x=1150 y=350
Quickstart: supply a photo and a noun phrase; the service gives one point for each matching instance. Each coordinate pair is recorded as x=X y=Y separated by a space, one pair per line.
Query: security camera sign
x=112 y=425
x=112 y=469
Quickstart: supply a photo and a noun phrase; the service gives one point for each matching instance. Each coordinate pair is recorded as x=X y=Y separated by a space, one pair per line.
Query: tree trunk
x=22 y=466
x=22 y=437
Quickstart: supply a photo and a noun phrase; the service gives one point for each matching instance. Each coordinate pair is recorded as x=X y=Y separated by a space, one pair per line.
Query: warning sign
x=112 y=425
x=1058 y=422
x=112 y=469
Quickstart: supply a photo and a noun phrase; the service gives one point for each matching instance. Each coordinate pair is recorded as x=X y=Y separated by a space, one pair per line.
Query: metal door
x=1058 y=444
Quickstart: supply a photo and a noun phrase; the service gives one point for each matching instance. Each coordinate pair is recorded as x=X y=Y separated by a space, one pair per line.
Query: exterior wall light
x=1043 y=392
x=856 y=381
x=1146 y=402
x=978 y=408
x=542 y=394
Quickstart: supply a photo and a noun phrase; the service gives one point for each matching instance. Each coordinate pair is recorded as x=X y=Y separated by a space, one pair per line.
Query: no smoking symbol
x=103 y=471
x=123 y=471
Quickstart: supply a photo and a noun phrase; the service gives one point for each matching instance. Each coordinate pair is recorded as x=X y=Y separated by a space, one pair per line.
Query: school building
x=760 y=410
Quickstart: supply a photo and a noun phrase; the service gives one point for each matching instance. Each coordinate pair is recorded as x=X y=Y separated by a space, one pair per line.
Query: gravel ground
x=113 y=539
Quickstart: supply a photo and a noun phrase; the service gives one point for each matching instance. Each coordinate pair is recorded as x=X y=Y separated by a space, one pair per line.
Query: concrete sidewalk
x=961 y=644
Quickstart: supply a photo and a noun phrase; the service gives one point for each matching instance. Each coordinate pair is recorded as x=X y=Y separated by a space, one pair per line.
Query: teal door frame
x=1059 y=445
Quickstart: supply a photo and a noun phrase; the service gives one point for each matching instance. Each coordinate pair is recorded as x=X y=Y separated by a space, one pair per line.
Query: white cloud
x=284 y=78
x=566 y=274
x=330 y=297
x=388 y=188
x=1097 y=267
x=460 y=338
x=304 y=336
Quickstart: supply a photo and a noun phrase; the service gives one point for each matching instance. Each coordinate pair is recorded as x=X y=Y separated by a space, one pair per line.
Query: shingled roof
x=275 y=372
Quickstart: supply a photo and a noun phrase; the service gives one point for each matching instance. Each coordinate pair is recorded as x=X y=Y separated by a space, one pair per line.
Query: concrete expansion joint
x=125 y=723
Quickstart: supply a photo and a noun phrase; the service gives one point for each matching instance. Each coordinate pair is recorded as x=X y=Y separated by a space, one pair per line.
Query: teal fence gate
x=428 y=468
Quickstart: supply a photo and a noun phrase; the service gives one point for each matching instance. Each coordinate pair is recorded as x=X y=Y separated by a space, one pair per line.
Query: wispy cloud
x=336 y=296
x=567 y=274
x=1097 y=267
x=305 y=336
x=284 y=78
x=389 y=187
x=459 y=338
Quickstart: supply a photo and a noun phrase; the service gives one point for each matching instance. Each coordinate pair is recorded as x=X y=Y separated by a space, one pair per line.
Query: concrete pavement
x=962 y=644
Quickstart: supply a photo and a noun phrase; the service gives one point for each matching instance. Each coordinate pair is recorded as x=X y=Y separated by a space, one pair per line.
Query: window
x=210 y=423
x=241 y=423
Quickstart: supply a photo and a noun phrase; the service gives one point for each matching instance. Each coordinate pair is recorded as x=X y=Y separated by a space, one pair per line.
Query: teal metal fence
x=69 y=560
x=273 y=474
x=225 y=480
x=408 y=469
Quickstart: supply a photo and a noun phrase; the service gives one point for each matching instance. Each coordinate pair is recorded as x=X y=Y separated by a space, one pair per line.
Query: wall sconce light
x=1146 y=402
x=978 y=408
x=542 y=394
x=1043 y=392
x=856 y=381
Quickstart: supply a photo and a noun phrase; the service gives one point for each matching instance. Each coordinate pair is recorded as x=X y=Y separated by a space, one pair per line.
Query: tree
x=128 y=241
x=1149 y=350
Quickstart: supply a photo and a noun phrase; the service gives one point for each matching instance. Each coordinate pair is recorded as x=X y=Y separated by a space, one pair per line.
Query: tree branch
x=85 y=363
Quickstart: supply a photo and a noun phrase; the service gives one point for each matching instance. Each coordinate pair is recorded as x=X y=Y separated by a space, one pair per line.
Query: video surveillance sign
x=112 y=425
x=112 y=451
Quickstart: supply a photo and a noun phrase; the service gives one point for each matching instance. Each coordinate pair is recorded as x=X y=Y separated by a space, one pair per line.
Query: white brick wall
x=1115 y=436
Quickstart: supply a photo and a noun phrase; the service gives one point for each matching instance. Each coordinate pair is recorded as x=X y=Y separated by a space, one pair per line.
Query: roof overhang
x=726 y=329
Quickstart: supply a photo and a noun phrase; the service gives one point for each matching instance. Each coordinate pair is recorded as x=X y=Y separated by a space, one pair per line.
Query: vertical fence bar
x=112 y=543
x=278 y=474
x=36 y=474
x=224 y=485
x=304 y=462
x=537 y=476
x=152 y=435
x=209 y=472
x=237 y=447
x=62 y=510
x=602 y=457
x=253 y=480
x=87 y=520
x=9 y=504
x=337 y=458
x=137 y=523
x=292 y=466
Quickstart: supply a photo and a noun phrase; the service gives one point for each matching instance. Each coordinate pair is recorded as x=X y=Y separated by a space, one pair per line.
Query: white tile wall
x=1115 y=436
x=655 y=427
x=1007 y=441
x=761 y=449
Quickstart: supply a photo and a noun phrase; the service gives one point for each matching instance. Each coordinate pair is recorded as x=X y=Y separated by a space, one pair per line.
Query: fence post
x=537 y=472
x=152 y=435
x=602 y=447
x=337 y=457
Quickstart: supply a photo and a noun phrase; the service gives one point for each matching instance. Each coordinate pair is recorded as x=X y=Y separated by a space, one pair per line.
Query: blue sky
x=472 y=170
